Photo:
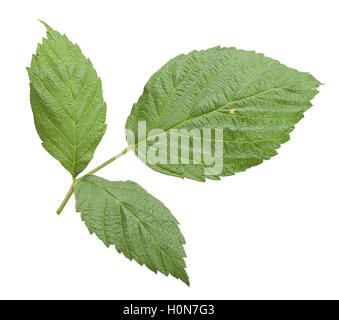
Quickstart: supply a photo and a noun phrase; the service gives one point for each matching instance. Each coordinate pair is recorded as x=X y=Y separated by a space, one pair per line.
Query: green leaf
x=253 y=102
x=140 y=226
x=67 y=102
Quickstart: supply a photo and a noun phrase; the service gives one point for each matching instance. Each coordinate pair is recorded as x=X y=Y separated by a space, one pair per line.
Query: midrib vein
x=69 y=86
x=215 y=110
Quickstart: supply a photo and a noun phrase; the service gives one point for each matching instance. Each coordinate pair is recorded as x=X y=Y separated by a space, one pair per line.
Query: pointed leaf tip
x=45 y=24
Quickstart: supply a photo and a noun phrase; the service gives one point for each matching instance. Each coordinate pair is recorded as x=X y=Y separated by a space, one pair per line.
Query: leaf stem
x=71 y=189
x=107 y=162
x=68 y=195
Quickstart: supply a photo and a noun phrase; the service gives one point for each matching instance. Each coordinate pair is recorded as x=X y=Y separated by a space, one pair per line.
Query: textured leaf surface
x=254 y=99
x=67 y=102
x=140 y=226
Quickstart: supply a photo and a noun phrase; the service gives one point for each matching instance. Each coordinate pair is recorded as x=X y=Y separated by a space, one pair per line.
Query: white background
x=270 y=232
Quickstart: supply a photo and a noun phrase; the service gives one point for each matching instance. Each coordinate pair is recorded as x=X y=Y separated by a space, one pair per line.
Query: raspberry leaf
x=241 y=105
x=67 y=102
x=123 y=214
